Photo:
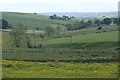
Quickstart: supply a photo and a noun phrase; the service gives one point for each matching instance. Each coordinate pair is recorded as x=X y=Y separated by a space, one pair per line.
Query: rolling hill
x=31 y=20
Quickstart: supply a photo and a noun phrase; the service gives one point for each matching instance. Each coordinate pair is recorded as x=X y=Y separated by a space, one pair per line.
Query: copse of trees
x=55 y=17
x=106 y=21
x=88 y=23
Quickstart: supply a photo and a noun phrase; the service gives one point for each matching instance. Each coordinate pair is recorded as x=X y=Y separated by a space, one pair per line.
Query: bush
x=29 y=46
x=99 y=28
x=39 y=46
x=7 y=65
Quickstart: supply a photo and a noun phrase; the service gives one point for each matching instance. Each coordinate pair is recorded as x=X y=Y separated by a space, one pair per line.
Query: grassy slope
x=99 y=40
x=91 y=39
x=100 y=44
x=31 y=20
x=92 y=30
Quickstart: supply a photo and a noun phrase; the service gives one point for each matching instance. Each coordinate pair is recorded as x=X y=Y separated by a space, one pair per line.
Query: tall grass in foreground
x=20 y=69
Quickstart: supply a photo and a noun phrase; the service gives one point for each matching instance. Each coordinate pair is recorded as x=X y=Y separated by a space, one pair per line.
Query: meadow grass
x=21 y=69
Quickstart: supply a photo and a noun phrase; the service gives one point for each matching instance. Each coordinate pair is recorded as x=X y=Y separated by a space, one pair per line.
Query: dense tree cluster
x=55 y=17
x=106 y=21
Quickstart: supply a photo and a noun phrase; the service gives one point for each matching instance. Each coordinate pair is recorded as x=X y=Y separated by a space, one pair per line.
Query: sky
x=42 y=6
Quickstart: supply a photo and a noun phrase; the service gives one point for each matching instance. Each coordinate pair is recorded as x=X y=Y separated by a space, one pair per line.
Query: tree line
x=55 y=17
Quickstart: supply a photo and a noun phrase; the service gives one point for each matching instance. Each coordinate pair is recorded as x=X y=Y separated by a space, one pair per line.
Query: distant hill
x=31 y=20
x=85 y=15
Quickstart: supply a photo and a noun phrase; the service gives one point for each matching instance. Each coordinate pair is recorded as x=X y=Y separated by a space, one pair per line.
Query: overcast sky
x=41 y=6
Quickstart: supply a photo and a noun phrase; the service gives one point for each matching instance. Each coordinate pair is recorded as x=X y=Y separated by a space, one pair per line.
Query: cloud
x=55 y=1
x=58 y=5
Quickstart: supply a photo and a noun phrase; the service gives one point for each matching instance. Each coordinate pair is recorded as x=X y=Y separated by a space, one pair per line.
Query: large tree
x=17 y=35
x=50 y=30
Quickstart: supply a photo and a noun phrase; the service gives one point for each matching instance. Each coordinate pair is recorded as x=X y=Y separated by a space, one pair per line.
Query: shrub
x=7 y=65
x=99 y=28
